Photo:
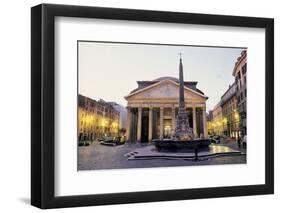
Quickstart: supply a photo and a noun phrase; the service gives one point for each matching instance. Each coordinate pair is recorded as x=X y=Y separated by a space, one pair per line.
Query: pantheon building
x=153 y=106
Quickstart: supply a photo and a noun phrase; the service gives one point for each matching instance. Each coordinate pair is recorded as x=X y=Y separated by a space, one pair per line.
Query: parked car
x=213 y=140
x=112 y=141
x=217 y=138
x=244 y=142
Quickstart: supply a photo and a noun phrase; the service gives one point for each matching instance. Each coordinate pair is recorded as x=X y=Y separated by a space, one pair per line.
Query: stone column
x=134 y=129
x=129 y=124
x=139 y=124
x=194 y=121
x=173 y=119
x=204 y=121
x=150 y=123
x=161 y=122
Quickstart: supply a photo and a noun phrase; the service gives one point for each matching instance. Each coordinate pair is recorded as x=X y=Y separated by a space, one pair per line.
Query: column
x=134 y=129
x=150 y=123
x=204 y=121
x=173 y=119
x=194 y=121
x=129 y=124
x=161 y=122
x=139 y=124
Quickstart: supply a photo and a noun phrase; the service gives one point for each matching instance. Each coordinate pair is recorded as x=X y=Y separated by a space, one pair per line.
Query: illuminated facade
x=219 y=122
x=229 y=112
x=240 y=74
x=153 y=107
x=209 y=124
x=96 y=119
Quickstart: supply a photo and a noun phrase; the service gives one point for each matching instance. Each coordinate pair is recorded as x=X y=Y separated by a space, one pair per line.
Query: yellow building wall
x=98 y=125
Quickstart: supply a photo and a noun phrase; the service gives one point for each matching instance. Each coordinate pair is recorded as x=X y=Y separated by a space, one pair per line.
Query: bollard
x=196 y=153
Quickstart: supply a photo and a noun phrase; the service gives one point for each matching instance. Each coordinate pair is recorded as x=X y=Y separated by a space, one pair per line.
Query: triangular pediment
x=165 y=89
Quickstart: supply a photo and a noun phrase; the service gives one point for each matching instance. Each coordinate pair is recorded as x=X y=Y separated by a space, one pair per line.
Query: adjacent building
x=219 y=123
x=153 y=106
x=229 y=116
x=122 y=116
x=209 y=119
x=240 y=74
x=229 y=112
x=96 y=119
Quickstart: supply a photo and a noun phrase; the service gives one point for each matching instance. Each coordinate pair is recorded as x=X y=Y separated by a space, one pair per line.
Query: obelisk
x=183 y=132
x=181 y=90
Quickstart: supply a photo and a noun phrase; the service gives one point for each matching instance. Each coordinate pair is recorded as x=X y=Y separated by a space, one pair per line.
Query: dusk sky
x=110 y=70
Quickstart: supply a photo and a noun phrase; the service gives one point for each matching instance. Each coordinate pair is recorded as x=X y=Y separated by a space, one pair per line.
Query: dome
x=167 y=78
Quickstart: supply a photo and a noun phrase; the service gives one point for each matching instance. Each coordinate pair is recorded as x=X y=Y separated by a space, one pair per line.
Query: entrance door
x=167 y=128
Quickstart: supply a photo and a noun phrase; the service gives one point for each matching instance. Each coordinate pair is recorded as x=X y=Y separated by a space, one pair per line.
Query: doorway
x=167 y=133
x=144 y=129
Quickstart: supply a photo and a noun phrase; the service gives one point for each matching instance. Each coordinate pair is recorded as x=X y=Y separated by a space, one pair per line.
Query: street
x=97 y=156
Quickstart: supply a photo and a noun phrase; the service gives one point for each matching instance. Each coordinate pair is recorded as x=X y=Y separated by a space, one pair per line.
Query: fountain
x=183 y=137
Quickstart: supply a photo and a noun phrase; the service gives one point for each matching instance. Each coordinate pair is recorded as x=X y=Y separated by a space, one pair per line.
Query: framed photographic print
x=139 y=106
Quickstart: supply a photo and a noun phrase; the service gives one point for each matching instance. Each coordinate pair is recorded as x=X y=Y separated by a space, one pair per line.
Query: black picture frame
x=43 y=105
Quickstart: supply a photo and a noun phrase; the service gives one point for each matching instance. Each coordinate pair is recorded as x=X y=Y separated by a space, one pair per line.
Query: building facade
x=218 y=123
x=229 y=112
x=153 y=106
x=240 y=74
x=96 y=119
x=122 y=115
x=209 y=119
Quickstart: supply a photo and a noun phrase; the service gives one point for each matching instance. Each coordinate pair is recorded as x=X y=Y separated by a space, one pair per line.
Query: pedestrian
x=239 y=142
x=196 y=153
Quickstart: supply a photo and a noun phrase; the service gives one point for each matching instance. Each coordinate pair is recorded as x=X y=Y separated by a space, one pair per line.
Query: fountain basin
x=177 y=144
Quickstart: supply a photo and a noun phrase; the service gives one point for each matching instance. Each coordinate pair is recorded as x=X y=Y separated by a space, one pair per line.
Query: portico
x=153 y=108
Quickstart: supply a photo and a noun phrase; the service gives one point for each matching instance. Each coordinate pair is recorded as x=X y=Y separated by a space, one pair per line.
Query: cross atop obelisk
x=180 y=54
